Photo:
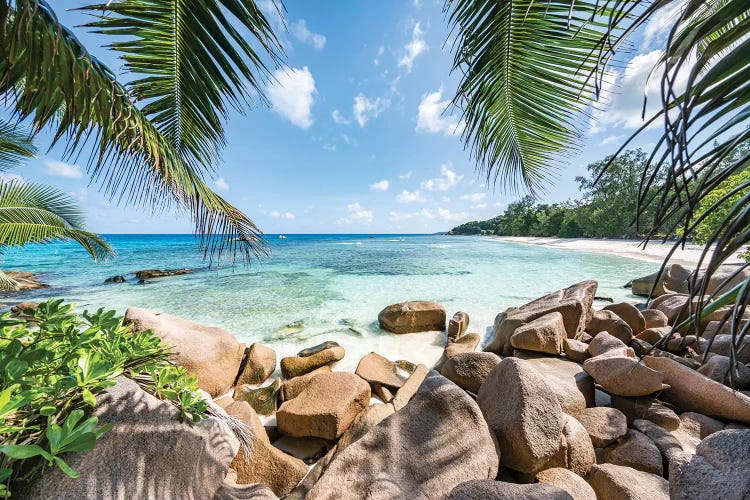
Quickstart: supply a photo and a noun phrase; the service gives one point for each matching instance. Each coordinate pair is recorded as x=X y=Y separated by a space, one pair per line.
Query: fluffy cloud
x=291 y=94
x=473 y=197
x=221 y=184
x=410 y=197
x=660 y=23
x=366 y=109
x=381 y=50
x=57 y=168
x=304 y=35
x=356 y=215
x=380 y=185
x=448 y=178
x=621 y=102
x=416 y=46
x=339 y=118
x=431 y=116
x=282 y=215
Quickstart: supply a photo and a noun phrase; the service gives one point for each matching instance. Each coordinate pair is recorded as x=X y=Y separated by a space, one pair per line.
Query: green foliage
x=606 y=208
x=52 y=366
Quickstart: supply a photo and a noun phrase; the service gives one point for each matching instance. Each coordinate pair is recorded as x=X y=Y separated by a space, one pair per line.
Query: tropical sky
x=359 y=136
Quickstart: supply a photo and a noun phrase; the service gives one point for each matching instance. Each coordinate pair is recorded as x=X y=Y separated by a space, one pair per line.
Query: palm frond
x=191 y=60
x=524 y=67
x=15 y=146
x=54 y=81
x=31 y=213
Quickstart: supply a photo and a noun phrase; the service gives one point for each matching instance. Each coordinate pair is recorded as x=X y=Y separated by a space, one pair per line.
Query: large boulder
x=665 y=441
x=294 y=366
x=604 y=342
x=489 y=489
x=630 y=315
x=524 y=414
x=326 y=407
x=623 y=375
x=378 y=369
x=469 y=369
x=211 y=354
x=573 y=387
x=576 y=452
x=544 y=334
x=260 y=363
x=465 y=343
x=693 y=391
x=617 y=482
x=673 y=305
x=292 y=388
x=604 y=425
x=608 y=321
x=654 y=318
x=438 y=440
x=720 y=468
x=635 y=450
x=569 y=481
x=457 y=326
x=576 y=350
x=149 y=453
x=414 y=316
x=574 y=303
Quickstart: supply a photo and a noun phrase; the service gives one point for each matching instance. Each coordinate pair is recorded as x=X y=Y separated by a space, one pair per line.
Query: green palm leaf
x=31 y=213
x=525 y=67
x=191 y=59
x=54 y=81
x=15 y=146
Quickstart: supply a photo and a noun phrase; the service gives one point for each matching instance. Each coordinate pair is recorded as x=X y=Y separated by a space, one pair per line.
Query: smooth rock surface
x=211 y=354
x=498 y=490
x=544 y=334
x=630 y=315
x=573 y=387
x=260 y=363
x=378 y=369
x=294 y=366
x=623 y=375
x=468 y=370
x=604 y=342
x=646 y=408
x=604 y=425
x=457 y=325
x=524 y=414
x=635 y=450
x=608 y=321
x=413 y=453
x=569 y=481
x=616 y=482
x=576 y=350
x=654 y=318
x=414 y=316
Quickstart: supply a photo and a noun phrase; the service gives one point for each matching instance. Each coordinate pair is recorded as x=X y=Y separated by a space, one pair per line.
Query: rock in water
x=524 y=414
x=693 y=391
x=326 y=407
x=149 y=453
x=211 y=354
x=317 y=348
x=720 y=468
x=457 y=326
x=414 y=316
x=148 y=274
x=116 y=279
x=415 y=453
x=488 y=489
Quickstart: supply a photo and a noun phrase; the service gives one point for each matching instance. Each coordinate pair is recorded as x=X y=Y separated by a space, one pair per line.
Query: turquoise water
x=330 y=286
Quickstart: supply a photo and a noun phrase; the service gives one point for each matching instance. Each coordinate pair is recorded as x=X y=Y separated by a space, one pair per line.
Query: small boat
x=282 y=237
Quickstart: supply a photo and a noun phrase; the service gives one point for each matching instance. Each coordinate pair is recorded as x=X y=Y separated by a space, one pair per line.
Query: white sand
x=655 y=251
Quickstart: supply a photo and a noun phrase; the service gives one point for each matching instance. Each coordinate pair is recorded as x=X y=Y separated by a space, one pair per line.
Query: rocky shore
x=565 y=401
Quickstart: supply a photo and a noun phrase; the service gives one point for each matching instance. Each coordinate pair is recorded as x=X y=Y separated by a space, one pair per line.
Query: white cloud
x=339 y=118
x=366 y=109
x=431 y=117
x=449 y=216
x=416 y=46
x=57 y=168
x=410 y=197
x=304 y=35
x=380 y=185
x=292 y=94
x=282 y=215
x=356 y=215
x=660 y=23
x=609 y=140
x=439 y=213
x=448 y=178
x=474 y=197
x=381 y=50
x=221 y=184
x=621 y=102
x=405 y=176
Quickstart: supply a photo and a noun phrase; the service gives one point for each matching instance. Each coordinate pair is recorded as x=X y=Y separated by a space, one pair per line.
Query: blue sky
x=355 y=140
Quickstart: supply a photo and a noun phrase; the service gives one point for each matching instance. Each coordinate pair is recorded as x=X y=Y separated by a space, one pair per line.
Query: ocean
x=315 y=288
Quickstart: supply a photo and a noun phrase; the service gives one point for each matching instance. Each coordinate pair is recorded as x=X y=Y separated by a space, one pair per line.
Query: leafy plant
x=52 y=366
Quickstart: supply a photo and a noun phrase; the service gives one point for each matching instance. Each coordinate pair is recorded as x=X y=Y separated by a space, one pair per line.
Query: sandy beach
x=655 y=251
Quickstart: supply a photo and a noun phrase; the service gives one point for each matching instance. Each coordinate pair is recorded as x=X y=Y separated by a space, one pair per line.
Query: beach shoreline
x=655 y=251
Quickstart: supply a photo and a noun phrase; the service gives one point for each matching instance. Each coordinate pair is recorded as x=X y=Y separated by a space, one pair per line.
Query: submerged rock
x=116 y=279
x=148 y=274
x=25 y=281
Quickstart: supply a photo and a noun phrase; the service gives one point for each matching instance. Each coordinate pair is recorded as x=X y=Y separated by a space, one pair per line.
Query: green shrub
x=53 y=363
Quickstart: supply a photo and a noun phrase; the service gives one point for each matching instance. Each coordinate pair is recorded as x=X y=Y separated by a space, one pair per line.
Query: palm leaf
x=190 y=60
x=524 y=66
x=54 y=81
x=15 y=146
x=31 y=213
